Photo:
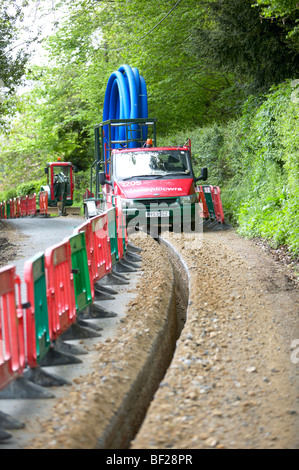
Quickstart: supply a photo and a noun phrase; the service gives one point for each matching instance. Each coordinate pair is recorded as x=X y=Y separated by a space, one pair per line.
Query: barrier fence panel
x=7 y=209
x=24 y=204
x=97 y=247
x=121 y=228
x=90 y=252
x=60 y=288
x=215 y=191
x=83 y=296
x=31 y=204
x=120 y=232
x=12 y=208
x=43 y=202
x=99 y=228
x=203 y=212
x=209 y=201
x=12 y=350
x=59 y=284
x=37 y=322
x=19 y=206
x=112 y=234
x=16 y=207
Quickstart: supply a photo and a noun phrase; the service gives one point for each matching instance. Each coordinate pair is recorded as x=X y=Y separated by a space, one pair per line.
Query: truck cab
x=59 y=175
x=156 y=186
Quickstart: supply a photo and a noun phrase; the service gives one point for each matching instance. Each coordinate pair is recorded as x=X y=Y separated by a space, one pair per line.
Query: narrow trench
x=128 y=420
x=182 y=284
x=176 y=320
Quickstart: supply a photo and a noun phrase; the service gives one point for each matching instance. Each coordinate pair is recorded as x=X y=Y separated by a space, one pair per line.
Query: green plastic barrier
x=209 y=201
x=83 y=295
x=7 y=204
x=37 y=320
x=112 y=233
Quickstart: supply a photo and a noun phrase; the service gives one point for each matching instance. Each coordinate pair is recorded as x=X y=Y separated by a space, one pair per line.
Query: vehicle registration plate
x=157 y=214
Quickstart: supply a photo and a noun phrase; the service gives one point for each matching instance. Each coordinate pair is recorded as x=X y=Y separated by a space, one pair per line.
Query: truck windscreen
x=151 y=163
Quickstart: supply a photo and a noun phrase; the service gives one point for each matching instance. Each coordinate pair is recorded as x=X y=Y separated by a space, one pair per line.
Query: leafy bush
x=255 y=161
x=82 y=182
x=23 y=189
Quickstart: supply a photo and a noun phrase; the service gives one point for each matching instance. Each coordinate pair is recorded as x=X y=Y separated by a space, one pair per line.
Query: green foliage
x=237 y=40
x=277 y=8
x=255 y=161
x=12 y=59
x=286 y=14
x=82 y=182
x=23 y=189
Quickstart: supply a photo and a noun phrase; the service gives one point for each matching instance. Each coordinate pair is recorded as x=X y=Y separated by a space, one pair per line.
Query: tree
x=278 y=8
x=12 y=58
x=239 y=41
x=286 y=13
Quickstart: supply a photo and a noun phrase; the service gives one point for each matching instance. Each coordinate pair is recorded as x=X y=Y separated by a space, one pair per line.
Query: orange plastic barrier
x=31 y=204
x=215 y=191
x=24 y=205
x=12 y=208
x=12 y=350
x=43 y=203
x=204 y=212
x=97 y=246
x=121 y=229
x=60 y=288
x=55 y=288
x=17 y=203
x=2 y=210
x=102 y=244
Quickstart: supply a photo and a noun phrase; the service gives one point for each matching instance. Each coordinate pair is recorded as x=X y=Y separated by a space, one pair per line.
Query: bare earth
x=8 y=249
x=234 y=379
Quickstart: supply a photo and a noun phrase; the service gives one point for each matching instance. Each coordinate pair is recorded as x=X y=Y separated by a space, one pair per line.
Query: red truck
x=156 y=185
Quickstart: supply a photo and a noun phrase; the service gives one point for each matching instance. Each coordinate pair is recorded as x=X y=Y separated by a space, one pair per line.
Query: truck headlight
x=188 y=199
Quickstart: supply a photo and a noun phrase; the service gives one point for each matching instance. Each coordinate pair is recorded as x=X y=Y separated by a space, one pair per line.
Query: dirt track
x=234 y=378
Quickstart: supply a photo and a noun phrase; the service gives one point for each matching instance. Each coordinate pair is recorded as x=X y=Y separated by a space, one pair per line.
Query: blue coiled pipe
x=125 y=98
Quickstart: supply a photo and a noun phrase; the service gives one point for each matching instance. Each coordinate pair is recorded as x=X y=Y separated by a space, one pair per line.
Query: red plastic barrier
x=12 y=350
x=17 y=212
x=24 y=205
x=31 y=204
x=120 y=228
x=98 y=246
x=60 y=288
x=215 y=191
x=2 y=210
x=18 y=207
x=87 y=195
x=102 y=244
x=204 y=212
x=43 y=203
x=12 y=208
